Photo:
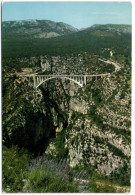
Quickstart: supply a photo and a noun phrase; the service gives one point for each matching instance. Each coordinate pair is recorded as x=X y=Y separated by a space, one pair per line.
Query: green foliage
x=95 y=118
x=59 y=141
x=44 y=181
x=96 y=179
x=101 y=188
x=96 y=94
x=106 y=184
x=88 y=89
x=49 y=175
x=122 y=175
x=16 y=64
x=116 y=150
x=13 y=167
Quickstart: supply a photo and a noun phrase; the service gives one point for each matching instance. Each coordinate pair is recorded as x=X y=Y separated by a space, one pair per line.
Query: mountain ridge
x=34 y=41
x=36 y=28
x=49 y=29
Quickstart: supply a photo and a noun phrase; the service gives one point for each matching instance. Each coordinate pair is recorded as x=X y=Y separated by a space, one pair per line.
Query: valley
x=84 y=133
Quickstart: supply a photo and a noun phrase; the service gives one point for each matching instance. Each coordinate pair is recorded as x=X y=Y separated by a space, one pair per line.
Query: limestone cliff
x=98 y=130
x=99 y=125
x=92 y=123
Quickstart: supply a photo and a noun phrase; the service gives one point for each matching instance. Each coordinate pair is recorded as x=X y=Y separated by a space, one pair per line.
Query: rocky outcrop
x=98 y=132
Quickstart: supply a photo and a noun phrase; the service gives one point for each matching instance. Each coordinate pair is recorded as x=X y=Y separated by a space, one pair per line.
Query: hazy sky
x=77 y=14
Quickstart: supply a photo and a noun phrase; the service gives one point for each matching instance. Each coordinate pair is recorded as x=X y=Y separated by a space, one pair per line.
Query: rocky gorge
x=97 y=130
x=89 y=126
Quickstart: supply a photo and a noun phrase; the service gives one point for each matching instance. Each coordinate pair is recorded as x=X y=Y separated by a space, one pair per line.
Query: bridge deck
x=66 y=75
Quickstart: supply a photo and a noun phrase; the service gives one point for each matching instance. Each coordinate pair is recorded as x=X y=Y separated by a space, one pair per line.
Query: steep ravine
x=32 y=116
x=64 y=120
x=90 y=137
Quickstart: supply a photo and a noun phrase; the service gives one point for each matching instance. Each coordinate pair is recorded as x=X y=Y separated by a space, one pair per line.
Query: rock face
x=24 y=117
x=99 y=127
x=32 y=116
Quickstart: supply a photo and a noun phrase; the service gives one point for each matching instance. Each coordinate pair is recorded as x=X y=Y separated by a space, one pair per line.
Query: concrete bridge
x=81 y=80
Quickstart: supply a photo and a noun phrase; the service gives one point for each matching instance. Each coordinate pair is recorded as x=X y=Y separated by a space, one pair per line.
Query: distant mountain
x=36 y=29
x=28 y=38
x=119 y=28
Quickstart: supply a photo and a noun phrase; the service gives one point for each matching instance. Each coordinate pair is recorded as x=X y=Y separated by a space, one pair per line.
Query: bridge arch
x=68 y=78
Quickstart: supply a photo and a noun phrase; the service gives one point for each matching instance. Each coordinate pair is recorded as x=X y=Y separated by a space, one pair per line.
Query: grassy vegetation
x=22 y=173
x=41 y=174
x=14 y=163
x=49 y=175
x=105 y=186
x=99 y=183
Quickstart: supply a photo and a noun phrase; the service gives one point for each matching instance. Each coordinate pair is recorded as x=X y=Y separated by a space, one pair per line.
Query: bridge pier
x=81 y=80
x=85 y=80
x=35 y=81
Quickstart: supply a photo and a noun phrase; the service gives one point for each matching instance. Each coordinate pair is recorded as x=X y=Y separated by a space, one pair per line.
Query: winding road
x=117 y=67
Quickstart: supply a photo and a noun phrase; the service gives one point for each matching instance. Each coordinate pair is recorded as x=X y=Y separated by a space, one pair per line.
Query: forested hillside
x=96 y=40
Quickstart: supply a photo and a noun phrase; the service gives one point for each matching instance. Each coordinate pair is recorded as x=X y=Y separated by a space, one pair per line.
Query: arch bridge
x=81 y=80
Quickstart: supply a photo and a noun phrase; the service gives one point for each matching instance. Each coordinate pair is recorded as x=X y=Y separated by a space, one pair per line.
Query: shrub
x=122 y=175
x=49 y=175
x=13 y=166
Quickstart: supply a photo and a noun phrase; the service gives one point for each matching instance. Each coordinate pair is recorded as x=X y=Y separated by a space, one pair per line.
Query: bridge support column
x=35 y=81
x=85 y=80
x=81 y=79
